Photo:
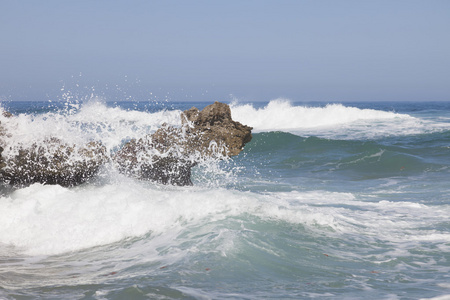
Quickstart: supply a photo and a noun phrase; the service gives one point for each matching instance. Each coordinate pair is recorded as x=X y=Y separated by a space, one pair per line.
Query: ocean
x=328 y=201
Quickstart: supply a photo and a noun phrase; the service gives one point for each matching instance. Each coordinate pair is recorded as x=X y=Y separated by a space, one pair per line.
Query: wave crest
x=332 y=121
x=281 y=114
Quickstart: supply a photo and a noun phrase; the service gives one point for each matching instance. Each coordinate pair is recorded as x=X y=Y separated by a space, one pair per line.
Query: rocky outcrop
x=214 y=124
x=53 y=162
x=168 y=155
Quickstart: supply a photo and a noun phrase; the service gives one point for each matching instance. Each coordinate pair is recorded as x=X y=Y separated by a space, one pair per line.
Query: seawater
x=328 y=201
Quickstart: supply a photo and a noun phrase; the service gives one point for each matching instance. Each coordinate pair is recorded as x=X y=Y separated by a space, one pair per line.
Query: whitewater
x=328 y=201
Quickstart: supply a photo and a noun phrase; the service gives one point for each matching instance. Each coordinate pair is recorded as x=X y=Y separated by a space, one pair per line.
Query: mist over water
x=341 y=201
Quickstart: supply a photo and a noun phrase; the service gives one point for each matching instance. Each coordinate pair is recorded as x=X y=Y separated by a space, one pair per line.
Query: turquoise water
x=338 y=201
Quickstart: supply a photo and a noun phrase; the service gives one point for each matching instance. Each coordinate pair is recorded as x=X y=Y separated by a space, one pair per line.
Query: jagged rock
x=168 y=155
x=214 y=123
x=53 y=162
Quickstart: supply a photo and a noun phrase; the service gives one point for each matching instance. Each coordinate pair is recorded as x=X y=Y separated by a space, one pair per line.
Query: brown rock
x=168 y=155
x=214 y=124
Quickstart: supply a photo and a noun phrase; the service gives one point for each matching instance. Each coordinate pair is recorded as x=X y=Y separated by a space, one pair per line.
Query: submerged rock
x=168 y=155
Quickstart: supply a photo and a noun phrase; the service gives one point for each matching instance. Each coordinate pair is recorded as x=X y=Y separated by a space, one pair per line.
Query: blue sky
x=214 y=50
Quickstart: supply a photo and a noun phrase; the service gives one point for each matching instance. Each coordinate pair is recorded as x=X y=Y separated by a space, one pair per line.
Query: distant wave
x=330 y=121
x=281 y=115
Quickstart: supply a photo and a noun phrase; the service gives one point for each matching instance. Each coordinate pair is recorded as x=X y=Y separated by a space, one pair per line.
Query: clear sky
x=208 y=50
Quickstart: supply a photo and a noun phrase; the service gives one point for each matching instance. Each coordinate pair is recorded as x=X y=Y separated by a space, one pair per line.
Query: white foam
x=281 y=114
x=442 y=297
x=47 y=220
x=330 y=121
x=403 y=223
x=51 y=219
x=44 y=219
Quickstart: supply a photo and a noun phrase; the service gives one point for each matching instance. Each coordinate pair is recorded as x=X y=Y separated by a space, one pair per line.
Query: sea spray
x=93 y=121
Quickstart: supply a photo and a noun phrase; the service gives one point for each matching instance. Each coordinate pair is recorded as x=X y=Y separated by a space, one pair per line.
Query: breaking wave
x=330 y=121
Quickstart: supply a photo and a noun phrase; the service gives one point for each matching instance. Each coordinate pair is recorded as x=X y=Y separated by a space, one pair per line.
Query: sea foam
x=281 y=115
x=336 y=121
x=47 y=220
